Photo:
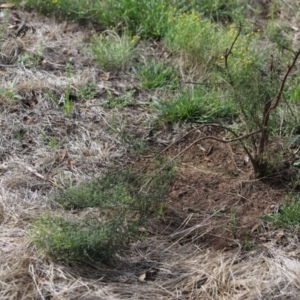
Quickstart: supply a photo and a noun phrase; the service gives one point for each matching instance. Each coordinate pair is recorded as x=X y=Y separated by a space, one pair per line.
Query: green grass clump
x=122 y=205
x=223 y=10
x=114 y=52
x=147 y=17
x=155 y=74
x=195 y=106
x=288 y=214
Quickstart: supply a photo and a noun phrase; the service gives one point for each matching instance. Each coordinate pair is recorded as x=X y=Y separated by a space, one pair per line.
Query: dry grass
x=31 y=170
x=184 y=272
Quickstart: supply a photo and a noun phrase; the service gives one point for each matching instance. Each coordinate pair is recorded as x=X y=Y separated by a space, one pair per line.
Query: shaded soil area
x=215 y=187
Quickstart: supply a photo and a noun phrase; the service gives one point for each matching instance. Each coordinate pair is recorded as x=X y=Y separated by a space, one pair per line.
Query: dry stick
x=217 y=139
x=201 y=139
x=228 y=52
x=179 y=139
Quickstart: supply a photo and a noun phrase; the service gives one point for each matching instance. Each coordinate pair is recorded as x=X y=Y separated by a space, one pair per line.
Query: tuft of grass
x=123 y=206
x=195 y=106
x=114 y=52
x=157 y=74
x=19 y=134
x=222 y=10
x=68 y=104
x=288 y=214
x=232 y=225
x=10 y=92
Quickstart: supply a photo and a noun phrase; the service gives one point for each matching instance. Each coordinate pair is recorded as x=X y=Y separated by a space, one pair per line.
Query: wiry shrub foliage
x=120 y=207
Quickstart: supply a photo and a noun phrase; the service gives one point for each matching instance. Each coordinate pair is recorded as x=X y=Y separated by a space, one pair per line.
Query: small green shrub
x=256 y=79
x=192 y=36
x=80 y=240
x=122 y=207
x=112 y=51
x=86 y=92
x=201 y=42
x=156 y=74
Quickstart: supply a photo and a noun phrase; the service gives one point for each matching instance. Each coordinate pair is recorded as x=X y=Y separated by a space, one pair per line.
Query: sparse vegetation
x=128 y=88
x=86 y=92
x=10 y=92
x=123 y=207
x=287 y=214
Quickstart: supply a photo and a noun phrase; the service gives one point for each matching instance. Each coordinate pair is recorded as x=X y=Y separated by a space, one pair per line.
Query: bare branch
x=229 y=51
x=219 y=140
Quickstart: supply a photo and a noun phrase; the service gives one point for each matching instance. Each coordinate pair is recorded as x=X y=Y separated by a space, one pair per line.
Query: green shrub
x=200 y=41
x=80 y=240
x=120 y=207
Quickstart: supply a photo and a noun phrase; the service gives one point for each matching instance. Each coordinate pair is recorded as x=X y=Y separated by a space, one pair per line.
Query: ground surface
x=211 y=242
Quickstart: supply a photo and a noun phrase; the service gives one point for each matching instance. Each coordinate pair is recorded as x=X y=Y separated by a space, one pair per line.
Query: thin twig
x=217 y=139
x=201 y=139
x=180 y=138
x=273 y=105
x=229 y=51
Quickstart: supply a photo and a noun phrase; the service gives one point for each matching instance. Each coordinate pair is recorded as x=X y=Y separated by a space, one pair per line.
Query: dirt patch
x=215 y=180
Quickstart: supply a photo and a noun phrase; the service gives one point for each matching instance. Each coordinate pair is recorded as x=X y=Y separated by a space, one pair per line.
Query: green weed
x=68 y=103
x=287 y=214
x=119 y=101
x=80 y=240
x=10 y=92
x=86 y=92
x=52 y=142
